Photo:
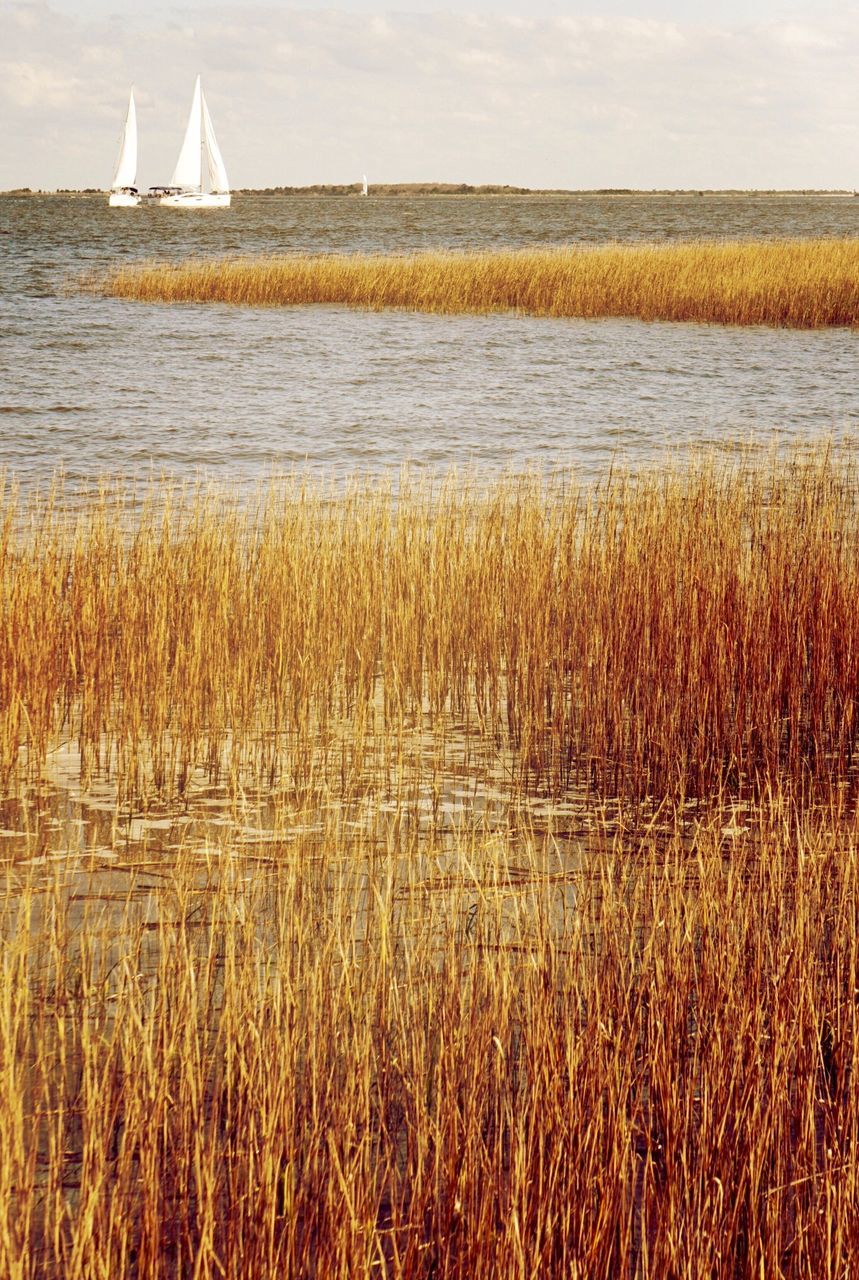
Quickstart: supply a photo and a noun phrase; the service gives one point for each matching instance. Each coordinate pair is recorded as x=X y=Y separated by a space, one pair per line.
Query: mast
x=125 y=174
x=188 y=173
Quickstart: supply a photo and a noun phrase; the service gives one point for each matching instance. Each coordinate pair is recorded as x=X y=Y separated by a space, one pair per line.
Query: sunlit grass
x=323 y=1064
x=675 y=633
x=791 y=283
x=607 y=1027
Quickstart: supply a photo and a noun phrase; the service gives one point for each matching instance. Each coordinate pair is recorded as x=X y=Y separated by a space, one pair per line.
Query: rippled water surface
x=97 y=385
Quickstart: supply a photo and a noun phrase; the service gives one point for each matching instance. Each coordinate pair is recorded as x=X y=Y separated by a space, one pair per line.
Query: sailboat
x=365 y=190
x=123 y=189
x=199 y=180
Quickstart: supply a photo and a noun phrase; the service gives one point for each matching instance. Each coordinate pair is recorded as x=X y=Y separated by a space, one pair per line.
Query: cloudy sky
x=559 y=93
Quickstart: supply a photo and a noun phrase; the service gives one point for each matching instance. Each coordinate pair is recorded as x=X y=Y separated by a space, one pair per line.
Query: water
x=104 y=386
x=462 y=870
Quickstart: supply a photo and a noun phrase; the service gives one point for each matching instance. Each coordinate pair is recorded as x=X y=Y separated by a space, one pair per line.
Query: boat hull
x=197 y=200
x=123 y=200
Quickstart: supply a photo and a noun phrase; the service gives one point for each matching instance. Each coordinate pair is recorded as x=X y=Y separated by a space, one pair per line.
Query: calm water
x=97 y=385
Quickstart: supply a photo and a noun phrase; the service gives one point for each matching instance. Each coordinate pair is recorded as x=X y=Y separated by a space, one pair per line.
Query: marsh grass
x=274 y=1072
x=606 y=1027
x=792 y=283
x=675 y=634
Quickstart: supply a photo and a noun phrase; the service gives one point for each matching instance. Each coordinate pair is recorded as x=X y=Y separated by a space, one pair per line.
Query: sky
x=555 y=93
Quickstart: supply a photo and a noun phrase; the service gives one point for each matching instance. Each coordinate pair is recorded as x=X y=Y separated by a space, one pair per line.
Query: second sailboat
x=200 y=179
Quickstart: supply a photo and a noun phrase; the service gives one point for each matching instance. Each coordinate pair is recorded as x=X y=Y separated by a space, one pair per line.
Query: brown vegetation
x=607 y=1027
x=801 y=284
x=325 y=1063
x=673 y=633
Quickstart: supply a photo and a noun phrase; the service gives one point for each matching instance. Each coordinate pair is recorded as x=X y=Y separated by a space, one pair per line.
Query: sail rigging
x=190 y=171
x=125 y=175
x=218 y=180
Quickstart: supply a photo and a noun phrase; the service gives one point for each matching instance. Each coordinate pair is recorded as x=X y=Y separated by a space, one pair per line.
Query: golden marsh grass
x=605 y=1025
x=792 y=283
x=672 y=634
x=317 y=1066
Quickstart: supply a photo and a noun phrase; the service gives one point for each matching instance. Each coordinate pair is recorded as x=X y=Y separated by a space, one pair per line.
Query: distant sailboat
x=123 y=189
x=200 y=179
x=365 y=190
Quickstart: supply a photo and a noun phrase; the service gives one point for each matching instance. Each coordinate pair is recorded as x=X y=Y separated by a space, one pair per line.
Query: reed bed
x=802 y=284
x=602 y=1023
x=685 y=634
x=330 y=1064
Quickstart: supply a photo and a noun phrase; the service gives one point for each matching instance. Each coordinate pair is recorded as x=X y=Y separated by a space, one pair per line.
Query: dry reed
x=792 y=283
x=328 y=1065
x=559 y=1046
x=674 y=634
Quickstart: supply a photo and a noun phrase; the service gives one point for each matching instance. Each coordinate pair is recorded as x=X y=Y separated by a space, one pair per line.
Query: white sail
x=126 y=165
x=218 y=180
x=364 y=187
x=196 y=185
x=188 y=173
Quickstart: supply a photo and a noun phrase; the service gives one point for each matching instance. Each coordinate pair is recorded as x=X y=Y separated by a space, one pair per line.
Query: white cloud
x=304 y=96
x=28 y=85
x=795 y=35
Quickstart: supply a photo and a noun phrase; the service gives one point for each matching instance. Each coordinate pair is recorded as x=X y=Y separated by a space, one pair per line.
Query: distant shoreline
x=400 y=190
